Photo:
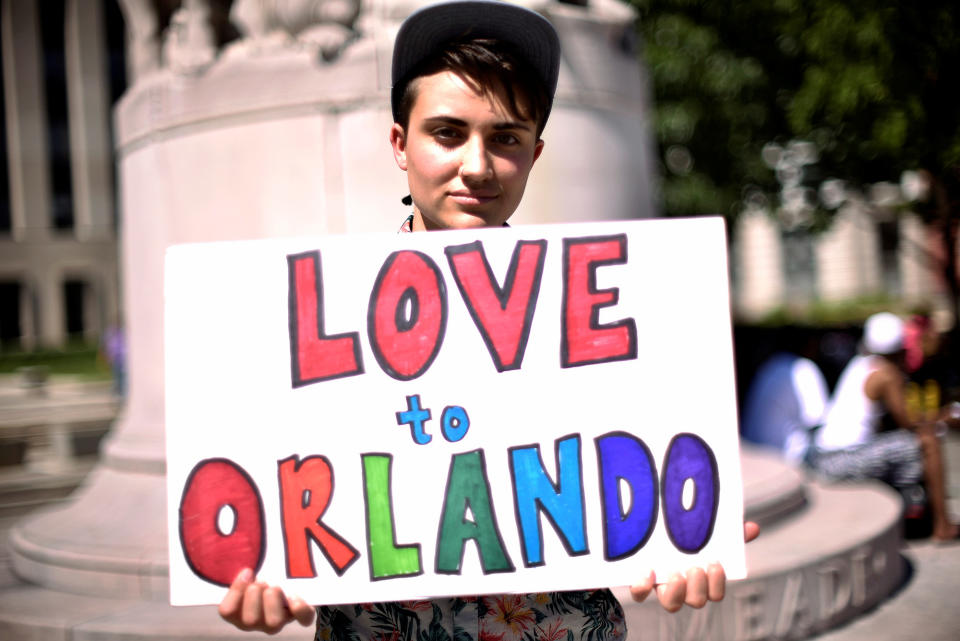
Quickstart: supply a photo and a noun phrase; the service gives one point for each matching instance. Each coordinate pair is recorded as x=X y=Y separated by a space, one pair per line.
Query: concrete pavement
x=928 y=605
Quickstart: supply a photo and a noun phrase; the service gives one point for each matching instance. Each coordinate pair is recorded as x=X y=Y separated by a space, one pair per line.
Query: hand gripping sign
x=384 y=417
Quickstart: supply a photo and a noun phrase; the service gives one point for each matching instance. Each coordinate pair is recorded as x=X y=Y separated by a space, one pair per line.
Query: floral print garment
x=590 y=615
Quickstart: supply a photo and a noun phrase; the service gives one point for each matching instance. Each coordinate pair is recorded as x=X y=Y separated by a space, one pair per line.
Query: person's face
x=930 y=342
x=467 y=157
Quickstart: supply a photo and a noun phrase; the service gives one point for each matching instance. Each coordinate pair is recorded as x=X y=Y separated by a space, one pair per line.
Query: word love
x=630 y=493
x=407 y=311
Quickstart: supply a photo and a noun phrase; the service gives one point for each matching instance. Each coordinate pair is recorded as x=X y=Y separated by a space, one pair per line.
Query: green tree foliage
x=874 y=83
x=714 y=103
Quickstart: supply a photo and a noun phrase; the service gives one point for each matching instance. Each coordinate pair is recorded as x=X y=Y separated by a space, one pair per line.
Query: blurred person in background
x=852 y=445
x=932 y=369
x=786 y=399
x=113 y=349
x=920 y=341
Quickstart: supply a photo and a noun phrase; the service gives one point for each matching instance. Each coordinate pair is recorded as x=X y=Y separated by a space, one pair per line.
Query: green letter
x=386 y=558
x=467 y=488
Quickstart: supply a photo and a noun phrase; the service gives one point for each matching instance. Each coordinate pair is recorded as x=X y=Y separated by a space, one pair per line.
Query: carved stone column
x=91 y=157
x=913 y=260
x=26 y=120
x=758 y=262
x=848 y=256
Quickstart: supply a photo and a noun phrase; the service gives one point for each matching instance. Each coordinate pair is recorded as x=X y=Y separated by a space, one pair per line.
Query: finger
x=672 y=593
x=751 y=531
x=251 y=613
x=275 y=613
x=302 y=611
x=716 y=582
x=229 y=608
x=696 y=596
x=640 y=591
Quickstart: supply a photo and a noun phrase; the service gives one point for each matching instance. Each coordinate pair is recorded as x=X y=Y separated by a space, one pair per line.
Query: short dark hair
x=487 y=66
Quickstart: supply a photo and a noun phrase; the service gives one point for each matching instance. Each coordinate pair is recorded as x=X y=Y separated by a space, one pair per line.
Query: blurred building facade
x=62 y=68
x=867 y=255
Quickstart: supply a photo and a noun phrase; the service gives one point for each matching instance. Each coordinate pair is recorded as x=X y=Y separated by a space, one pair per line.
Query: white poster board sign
x=393 y=416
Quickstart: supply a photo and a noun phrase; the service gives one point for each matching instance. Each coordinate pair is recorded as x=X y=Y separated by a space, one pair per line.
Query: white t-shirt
x=852 y=417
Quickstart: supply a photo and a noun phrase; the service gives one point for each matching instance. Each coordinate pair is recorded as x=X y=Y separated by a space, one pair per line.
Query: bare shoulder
x=883 y=378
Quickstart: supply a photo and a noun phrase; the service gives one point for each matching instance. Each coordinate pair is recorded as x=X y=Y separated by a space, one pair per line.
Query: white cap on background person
x=883 y=334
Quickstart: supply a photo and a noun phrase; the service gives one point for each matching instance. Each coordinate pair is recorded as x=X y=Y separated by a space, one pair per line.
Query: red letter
x=305 y=490
x=407 y=314
x=214 y=555
x=503 y=315
x=584 y=340
x=313 y=356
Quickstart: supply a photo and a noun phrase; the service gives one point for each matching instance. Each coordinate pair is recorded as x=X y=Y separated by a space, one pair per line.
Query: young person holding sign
x=473 y=84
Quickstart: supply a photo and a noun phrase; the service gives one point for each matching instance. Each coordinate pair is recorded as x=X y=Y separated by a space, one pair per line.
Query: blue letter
x=455 y=423
x=415 y=418
x=624 y=457
x=562 y=503
x=689 y=457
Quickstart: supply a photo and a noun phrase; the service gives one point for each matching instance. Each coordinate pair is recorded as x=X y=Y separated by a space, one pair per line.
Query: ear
x=537 y=150
x=398 y=140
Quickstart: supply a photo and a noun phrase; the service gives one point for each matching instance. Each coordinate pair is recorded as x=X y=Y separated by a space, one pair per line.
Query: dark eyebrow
x=500 y=126
x=512 y=124
x=446 y=120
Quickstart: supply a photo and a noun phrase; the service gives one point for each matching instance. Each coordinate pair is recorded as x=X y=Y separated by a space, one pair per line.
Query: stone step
x=23 y=491
x=815 y=567
x=771 y=490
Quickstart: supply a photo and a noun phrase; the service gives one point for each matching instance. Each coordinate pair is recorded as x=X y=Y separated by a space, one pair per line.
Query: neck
x=419 y=223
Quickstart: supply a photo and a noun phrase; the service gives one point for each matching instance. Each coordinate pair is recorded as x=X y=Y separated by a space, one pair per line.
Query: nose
x=475 y=160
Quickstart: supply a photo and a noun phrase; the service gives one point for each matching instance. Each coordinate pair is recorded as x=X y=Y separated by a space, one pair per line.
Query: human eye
x=446 y=135
x=506 y=139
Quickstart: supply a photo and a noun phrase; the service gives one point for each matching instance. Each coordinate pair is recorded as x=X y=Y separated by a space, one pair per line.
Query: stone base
x=65 y=548
x=812 y=571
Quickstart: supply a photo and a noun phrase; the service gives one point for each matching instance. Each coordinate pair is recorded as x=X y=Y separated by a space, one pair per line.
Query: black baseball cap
x=428 y=29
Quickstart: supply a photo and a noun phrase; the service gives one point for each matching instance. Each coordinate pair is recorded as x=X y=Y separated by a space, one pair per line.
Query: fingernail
x=246 y=574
